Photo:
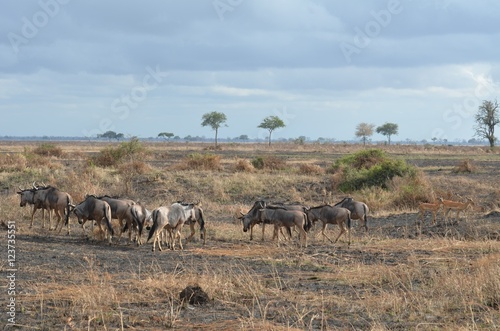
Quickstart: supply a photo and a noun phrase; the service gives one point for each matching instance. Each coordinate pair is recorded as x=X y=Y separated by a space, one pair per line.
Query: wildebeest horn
x=34 y=185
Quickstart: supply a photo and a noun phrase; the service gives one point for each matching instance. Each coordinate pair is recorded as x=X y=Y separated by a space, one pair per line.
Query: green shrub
x=270 y=162
x=47 y=149
x=113 y=156
x=370 y=168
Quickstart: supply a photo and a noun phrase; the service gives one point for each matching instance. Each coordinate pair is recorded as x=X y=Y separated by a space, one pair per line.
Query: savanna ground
x=395 y=277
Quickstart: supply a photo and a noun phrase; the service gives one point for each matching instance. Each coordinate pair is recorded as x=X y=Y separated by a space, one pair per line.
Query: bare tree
x=487 y=118
x=364 y=130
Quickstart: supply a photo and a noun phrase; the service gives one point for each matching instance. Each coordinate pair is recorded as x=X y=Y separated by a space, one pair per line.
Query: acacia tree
x=215 y=120
x=364 y=130
x=487 y=118
x=111 y=135
x=388 y=129
x=271 y=123
x=166 y=135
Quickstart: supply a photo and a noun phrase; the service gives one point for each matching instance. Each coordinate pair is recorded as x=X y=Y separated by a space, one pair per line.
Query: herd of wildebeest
x=165 y=223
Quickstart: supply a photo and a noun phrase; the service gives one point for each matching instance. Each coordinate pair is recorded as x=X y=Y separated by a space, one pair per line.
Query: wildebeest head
x=27 y=196
x=253 y=214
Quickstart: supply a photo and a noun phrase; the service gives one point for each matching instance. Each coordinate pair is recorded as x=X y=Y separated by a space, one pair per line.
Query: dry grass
x=390 y=278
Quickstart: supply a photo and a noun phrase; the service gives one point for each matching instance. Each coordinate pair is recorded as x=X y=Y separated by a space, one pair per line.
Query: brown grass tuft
x=310 y=169
x=198 y=161
x=48 y=149
x=243 y=165
x=465 y=166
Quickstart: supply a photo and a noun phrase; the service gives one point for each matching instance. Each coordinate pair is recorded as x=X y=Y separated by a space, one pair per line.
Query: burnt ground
x=48 y=263
x=72 y=283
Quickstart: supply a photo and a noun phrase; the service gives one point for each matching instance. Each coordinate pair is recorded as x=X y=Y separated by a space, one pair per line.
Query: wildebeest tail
x=155 y=224
x=365 y=217
x=137 y=220
x=108 y=221
x=349 y=226
x=307 y=223
x=202 y=223
x=68 y=205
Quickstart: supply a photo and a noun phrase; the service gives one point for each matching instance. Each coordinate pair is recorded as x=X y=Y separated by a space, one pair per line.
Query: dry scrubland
x=392 y=278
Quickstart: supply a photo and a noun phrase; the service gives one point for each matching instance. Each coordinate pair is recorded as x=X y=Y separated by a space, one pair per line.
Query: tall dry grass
x=388 y=279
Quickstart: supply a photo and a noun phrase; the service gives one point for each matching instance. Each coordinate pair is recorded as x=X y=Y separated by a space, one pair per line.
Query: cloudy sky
x=80 y=68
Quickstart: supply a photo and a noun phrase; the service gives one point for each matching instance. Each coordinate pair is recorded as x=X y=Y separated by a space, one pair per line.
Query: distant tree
x=388 y=129
x=271 y=123
x=166 y=135
x=364 y=130
x=214 y=120
x=487 y=118
x=110 y=135
x=119 y=136
x=243 y=137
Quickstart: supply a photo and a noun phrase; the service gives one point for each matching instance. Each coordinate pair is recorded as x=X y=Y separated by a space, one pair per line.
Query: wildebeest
x=49 y=198
x=285 y=218
x=140 y=216
x=331 y=215
x=172 y=219
x=359 y=210
x=120 y=210
x=198 y=217
x=252 y=218
x=28 y=197
x=93 y=209
x=54 y=199
x=292 y=206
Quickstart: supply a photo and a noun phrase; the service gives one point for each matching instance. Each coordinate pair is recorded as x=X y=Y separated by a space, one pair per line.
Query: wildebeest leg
x=302 y=233
x=324 y=234
x=120 y=221
x=178 y=234
x=33 y=217
x=276 y=233
x=251 y=231
x=263 y=228
x=59 y=219
x=193 y=232
x=342 y=230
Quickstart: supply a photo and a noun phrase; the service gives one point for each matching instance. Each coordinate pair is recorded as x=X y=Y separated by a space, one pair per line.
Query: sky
x=81 y=68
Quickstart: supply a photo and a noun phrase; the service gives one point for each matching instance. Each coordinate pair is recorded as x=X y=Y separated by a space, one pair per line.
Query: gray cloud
x=408 y=62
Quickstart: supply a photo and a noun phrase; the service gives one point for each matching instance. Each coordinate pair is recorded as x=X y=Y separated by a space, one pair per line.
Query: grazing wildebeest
x=28 y=197
x=140 y=215
x=197 y=218
x=359 y=210
x=251 y=218
x=172 y=219
x=93 y=209
x=293 y=206
x=331 y=215
x=120 y=210
x=285 y=218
